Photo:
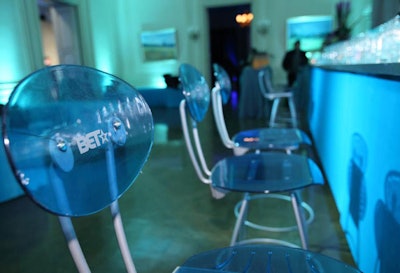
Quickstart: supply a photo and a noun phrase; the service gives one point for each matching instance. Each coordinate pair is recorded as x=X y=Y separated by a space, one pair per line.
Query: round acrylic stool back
x=224 y=82
x=195 y=90
x=76 y=138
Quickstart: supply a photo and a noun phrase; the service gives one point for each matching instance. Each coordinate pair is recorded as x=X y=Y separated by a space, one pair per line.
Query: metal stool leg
x=73 y=244
x=116 y=215
x=240 y=221
x=298 y=211
x=293 y=113
x=274 y=111
x=121 y=237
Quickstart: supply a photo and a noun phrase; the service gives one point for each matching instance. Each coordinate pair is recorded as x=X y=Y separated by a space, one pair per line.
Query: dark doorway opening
x=229 y=42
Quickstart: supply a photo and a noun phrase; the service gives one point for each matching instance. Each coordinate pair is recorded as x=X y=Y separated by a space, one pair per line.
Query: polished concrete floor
x=168 y=215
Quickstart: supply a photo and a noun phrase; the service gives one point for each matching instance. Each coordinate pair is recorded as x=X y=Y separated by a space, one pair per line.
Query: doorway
x=60 y=33
x=229 y=41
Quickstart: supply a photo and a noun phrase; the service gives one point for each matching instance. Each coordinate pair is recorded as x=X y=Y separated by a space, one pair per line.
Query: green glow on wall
x=9 y=53
x=103 y=59
x=18 y=44
x=10 y=73
x=5 y=91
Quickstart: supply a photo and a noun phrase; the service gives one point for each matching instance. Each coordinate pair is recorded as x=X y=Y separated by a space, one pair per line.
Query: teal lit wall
x=110 y=31
x=20 y=54
x=20 y=51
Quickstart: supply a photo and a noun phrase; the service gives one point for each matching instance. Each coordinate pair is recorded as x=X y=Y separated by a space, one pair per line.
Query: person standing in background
x=293 y=62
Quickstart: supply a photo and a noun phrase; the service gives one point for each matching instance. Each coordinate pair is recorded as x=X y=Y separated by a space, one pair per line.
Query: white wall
x=110 y=32
x=184 y=15
x=148 y=15
x=277 y=13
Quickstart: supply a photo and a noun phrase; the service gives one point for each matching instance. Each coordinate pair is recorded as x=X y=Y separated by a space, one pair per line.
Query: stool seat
x=265 y=173
x=263 y=259
x=271 y=139
x=268 y=138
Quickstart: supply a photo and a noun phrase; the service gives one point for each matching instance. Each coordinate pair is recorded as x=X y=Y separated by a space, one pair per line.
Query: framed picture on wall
x=311 y=31
x=159 y=45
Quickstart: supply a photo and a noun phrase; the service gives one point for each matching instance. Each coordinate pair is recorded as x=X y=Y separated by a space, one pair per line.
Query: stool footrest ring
x=253 y=225
x=266 y=241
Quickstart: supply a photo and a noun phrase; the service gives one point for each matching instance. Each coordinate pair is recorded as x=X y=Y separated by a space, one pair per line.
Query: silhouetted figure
x=171 y=81
x=293 y=62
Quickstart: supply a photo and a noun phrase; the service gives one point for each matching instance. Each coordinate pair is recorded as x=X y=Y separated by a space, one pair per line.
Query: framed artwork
x=159 y=45
x=311 y=31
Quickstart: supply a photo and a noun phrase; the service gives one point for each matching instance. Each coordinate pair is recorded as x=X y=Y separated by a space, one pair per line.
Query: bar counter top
x=381 y=70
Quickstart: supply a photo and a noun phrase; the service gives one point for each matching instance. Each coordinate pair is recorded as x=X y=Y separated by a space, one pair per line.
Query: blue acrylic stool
x=268 y=138
x=255 y=140
x=76 y=139
x=264 y=173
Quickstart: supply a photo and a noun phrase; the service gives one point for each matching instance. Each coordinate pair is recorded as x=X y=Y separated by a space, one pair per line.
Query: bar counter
x=354 y=118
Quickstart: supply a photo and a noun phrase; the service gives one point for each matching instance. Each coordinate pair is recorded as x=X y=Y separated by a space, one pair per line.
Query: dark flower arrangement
x=342 y=32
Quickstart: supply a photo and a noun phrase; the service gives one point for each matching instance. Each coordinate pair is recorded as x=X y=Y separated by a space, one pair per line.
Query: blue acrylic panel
x=224 y=82
x=76 y=137
x=195 y=90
